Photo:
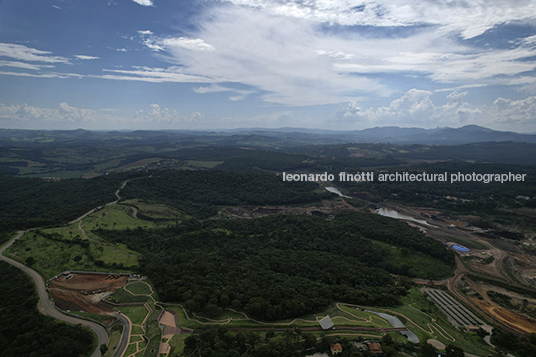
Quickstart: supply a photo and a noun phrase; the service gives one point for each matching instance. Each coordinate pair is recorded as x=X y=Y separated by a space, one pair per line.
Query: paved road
x=47 y=307
x=125 y=337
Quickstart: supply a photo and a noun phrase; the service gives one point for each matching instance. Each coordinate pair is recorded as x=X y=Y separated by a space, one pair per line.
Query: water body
x=394 y=214
x=395 y=322
x=336 y=191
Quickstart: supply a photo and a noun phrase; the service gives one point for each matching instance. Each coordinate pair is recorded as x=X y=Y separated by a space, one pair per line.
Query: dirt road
x=47 y=307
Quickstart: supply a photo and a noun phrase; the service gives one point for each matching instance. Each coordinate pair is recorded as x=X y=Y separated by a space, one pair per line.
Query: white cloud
x=155 y=75
x=242 y=94
x=43 y=75
x=145 y=32
x=24 y=53
x=275 y=55
x=24 y=65
x=468 y=18
x=164 y=116
x=84 y=57
x=65 y=116
x=171 y=44
x=415 y=108
x=144 y=2
x=336 y=54
x=65 y=113
x=291 y=60
x=213 y=88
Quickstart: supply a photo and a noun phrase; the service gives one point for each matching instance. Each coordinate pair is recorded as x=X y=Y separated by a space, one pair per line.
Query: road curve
x=125 y=336
x=47 y=307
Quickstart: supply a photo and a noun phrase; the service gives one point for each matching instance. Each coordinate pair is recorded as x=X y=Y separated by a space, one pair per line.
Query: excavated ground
x=84 y=292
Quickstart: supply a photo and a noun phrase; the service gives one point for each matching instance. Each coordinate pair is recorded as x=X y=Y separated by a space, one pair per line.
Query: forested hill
x=33 y=202
x=202 y=193
x=25 y=332
x=284 y=266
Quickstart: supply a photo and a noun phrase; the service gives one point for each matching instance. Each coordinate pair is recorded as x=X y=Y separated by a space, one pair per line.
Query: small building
x=336 y=348
x=375 y=348
x=326 y=323
x=360 y=346
x=472 y=328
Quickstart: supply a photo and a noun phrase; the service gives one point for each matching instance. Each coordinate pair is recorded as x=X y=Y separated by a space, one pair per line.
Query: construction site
x=78 y=291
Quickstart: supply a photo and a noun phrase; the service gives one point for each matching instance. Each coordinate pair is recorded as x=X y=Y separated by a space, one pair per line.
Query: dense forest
x=202 y=193
x=284 y=266
x=510 y=342
x=33 y=202
x=25 y=332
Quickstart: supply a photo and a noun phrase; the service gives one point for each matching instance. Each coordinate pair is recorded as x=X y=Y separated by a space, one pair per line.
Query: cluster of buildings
x=372 y=346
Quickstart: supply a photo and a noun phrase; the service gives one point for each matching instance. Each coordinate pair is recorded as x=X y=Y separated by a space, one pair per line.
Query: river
x=394 y=214
x=336 y=191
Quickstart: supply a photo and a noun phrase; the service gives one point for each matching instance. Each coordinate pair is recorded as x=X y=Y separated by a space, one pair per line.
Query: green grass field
x=177 y=343
x=121 y=296
x=136 y=339
x=155 y=210
x=136 y=314
x=153 y=347
x=136 y=330
x=115 y=337
x=131 y=349
x=417 y=313
x=139 y=288
x=114 y=217
x=52 y=257
x=204 y=164
x=427 y=321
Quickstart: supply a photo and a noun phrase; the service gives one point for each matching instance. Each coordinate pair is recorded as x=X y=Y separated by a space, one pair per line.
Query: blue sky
x=218 y=64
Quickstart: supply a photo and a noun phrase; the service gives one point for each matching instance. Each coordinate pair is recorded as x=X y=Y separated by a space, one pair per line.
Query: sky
x=224 y=64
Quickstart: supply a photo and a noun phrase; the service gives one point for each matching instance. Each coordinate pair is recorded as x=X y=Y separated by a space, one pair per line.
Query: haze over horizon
x=224 y=64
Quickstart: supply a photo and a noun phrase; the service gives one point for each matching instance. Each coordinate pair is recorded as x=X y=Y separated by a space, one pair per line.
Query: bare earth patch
x=84 y=292
x=437 y=344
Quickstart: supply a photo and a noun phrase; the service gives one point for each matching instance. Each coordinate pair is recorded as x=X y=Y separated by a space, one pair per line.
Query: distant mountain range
x=396 y=135
x=268 y=138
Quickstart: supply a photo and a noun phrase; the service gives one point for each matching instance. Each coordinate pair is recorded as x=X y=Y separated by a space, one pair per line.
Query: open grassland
x=137 y=330
x=140 y=164
x=139 y=288
x=136 y=314
x=114 y=217
x=107 y=164
x=155 y=210
x=132 y=348
x=115 y=337
x=121 y=296
x=427 y=321
x=116 y=255
x=203 y=164
x=67 y=232
x=177 y=343
x=50 y=257
x=32 y=172
x=340 y=314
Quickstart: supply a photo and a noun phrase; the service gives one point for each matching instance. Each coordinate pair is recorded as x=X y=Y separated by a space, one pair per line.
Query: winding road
x=46 y=307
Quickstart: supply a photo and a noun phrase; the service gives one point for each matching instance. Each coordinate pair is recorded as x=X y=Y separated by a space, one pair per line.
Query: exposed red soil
x=84 y=292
